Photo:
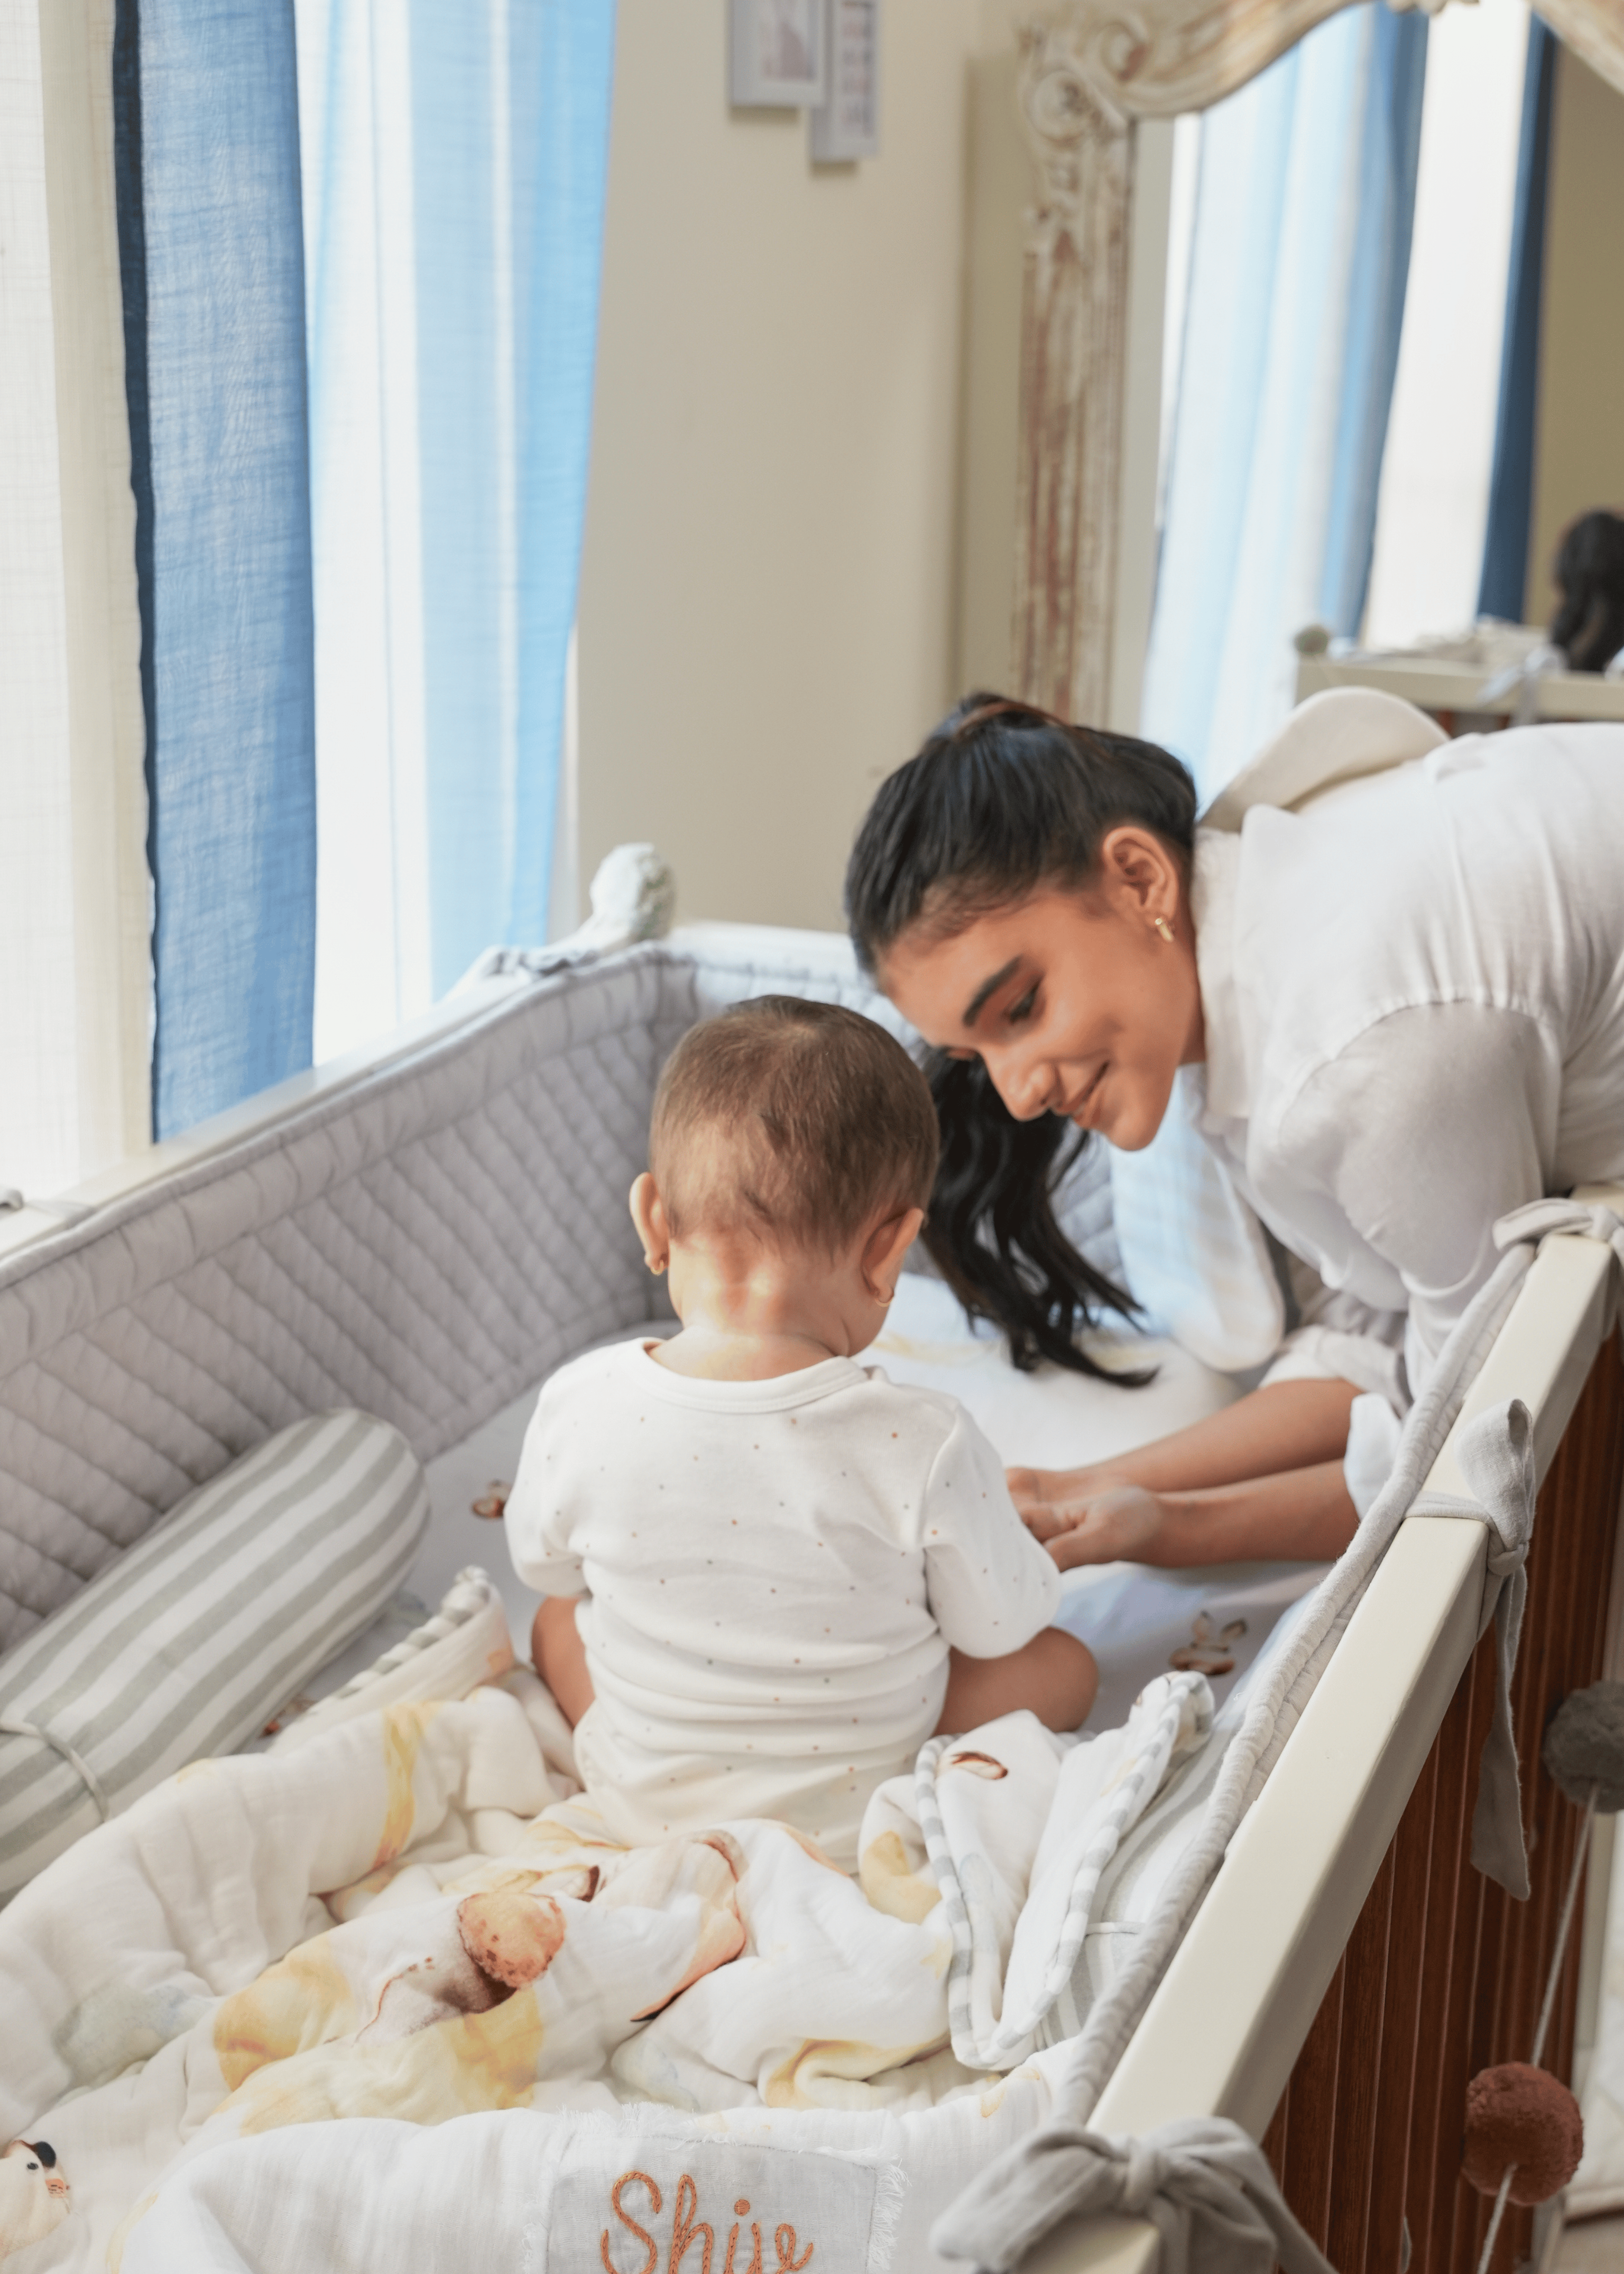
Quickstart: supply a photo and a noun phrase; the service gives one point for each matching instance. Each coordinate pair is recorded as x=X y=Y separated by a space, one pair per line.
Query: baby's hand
x=1047 y=1501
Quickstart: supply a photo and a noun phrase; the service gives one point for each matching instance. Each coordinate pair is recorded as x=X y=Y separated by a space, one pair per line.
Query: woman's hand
x=1048 y=1500
x=1098 y=1515
x=1087 y=1516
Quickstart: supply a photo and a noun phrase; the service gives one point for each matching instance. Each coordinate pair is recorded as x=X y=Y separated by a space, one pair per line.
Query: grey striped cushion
x=187 y=1644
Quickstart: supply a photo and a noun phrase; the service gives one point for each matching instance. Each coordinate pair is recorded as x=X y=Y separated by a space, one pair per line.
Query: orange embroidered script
x=690 y=2231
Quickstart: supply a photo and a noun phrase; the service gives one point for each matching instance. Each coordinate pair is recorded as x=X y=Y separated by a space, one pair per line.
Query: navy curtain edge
x=232 y=938
x=132 y=282
x=1503 y=589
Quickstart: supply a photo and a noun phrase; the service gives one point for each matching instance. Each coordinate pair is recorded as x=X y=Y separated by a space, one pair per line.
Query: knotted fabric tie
x=14 y=1726
x=1496 y=1454
x=1201 y=2181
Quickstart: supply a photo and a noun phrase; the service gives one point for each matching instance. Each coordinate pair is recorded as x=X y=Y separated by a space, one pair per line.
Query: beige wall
x=1579 y=437
x=998 y=190
x=768 y=595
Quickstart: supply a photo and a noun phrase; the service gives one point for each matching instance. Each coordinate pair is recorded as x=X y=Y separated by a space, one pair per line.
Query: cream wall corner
x=1579 y=429
x=768 y=587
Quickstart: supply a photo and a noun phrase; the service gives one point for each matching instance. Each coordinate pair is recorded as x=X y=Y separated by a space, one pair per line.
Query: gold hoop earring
x=885 y=1301
x=659 y=1269
x=1161 y=924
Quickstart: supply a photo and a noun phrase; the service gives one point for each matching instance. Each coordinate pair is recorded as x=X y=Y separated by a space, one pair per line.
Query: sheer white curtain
x=371 y=888
x=1434 y=500
x=1298 y=252
x=453 y=156
x=74 y=966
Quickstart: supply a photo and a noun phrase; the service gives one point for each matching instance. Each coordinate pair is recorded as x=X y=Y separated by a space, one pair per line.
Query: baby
x=789 y=1571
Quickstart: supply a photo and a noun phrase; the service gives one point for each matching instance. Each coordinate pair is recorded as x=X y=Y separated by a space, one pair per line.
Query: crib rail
x=1349 y=1971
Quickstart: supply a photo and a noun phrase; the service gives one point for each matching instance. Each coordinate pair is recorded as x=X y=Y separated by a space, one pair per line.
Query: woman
x=1405 y=1004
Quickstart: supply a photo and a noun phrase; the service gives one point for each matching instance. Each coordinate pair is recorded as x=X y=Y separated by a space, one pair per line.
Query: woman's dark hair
x=1588 y=626
x=1002 y=799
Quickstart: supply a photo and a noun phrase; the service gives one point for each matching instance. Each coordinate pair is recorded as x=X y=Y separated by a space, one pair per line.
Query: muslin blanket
x=411 y=1917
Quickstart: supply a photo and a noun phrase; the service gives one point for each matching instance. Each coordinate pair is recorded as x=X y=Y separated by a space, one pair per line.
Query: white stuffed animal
x=34 y=2195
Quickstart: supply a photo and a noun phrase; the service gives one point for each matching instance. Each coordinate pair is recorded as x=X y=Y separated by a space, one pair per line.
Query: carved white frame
x=1088 y=69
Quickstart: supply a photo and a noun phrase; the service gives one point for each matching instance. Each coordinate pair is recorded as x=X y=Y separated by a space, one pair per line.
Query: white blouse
x=1414 y=1000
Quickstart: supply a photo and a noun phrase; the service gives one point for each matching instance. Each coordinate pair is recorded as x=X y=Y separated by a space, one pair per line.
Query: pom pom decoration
x=1522 y=2116
x=1584 y=1746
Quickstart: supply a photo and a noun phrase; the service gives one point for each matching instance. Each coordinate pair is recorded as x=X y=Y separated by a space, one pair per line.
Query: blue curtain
x=1389 y=143
x=207 y=166
x=1305 y=198
x=456 y=164
x=1511 y=484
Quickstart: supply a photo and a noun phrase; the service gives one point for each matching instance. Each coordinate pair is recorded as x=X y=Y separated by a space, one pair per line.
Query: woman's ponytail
x=1002 y=799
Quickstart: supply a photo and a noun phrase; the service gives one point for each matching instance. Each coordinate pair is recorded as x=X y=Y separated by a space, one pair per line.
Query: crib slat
x=1396 y=2071
x=1443 y=1958
x=1307 y=2179
x=1359 y=2063
x=1454 y=2203
x=1274 y=2140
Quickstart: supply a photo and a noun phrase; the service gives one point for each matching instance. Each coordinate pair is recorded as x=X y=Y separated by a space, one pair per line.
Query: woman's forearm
x=1296 y=1516
x=1289 y=1426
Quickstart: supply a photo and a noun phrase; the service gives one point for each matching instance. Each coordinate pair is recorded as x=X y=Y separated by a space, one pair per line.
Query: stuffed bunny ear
x=1202 y=1630
x=1233 y=1632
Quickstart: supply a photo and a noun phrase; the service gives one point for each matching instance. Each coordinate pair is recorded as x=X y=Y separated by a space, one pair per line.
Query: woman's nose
x=1026 y=1088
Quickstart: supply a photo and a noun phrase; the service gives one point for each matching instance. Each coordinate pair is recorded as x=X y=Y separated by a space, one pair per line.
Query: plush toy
x=34 y=2194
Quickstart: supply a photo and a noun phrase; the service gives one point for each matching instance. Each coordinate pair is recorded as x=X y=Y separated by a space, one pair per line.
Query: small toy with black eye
x=34 y=2195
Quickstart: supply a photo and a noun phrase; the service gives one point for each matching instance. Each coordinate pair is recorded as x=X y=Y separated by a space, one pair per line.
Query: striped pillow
x=187 y=1644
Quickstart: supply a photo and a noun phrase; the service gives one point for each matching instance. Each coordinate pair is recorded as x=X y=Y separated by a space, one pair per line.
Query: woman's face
x=1072 y=1000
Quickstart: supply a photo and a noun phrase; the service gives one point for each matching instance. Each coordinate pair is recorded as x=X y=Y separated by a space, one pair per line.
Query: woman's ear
x=884 y=1251
x=1139 y=876
x=649 y=1215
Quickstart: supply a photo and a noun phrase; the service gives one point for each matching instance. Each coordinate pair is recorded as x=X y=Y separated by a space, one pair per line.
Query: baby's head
x=789 y=1136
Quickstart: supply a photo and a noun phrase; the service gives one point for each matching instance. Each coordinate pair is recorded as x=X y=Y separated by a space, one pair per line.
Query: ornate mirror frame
x=1088 y=70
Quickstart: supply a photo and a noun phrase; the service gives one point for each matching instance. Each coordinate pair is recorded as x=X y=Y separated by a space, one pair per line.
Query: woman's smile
x=1078 y=1109
x=1070 y=1001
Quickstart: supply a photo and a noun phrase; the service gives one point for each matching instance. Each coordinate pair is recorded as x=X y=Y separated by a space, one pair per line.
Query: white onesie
x=774 y=1572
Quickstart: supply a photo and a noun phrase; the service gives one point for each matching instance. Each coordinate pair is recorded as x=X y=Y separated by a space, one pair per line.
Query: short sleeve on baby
x=535 y=1520
x=991 y=1585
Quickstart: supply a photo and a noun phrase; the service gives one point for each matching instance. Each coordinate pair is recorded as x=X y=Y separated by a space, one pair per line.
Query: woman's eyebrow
x=977 y=1001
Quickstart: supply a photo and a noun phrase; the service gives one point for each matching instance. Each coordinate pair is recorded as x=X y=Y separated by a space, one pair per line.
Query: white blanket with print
x=412 y=1918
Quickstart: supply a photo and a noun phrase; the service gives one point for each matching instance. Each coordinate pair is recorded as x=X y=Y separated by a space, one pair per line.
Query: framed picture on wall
x=778 y=54
x=846 y=124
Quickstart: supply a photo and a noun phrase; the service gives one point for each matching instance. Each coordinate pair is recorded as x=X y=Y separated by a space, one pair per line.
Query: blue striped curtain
x=1306 y=199
x=1503 y=591
x=208 y=167
x=359 y=490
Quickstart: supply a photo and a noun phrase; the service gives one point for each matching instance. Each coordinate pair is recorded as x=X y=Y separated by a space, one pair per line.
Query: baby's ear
x=890 y=1241
x=649 y=1215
